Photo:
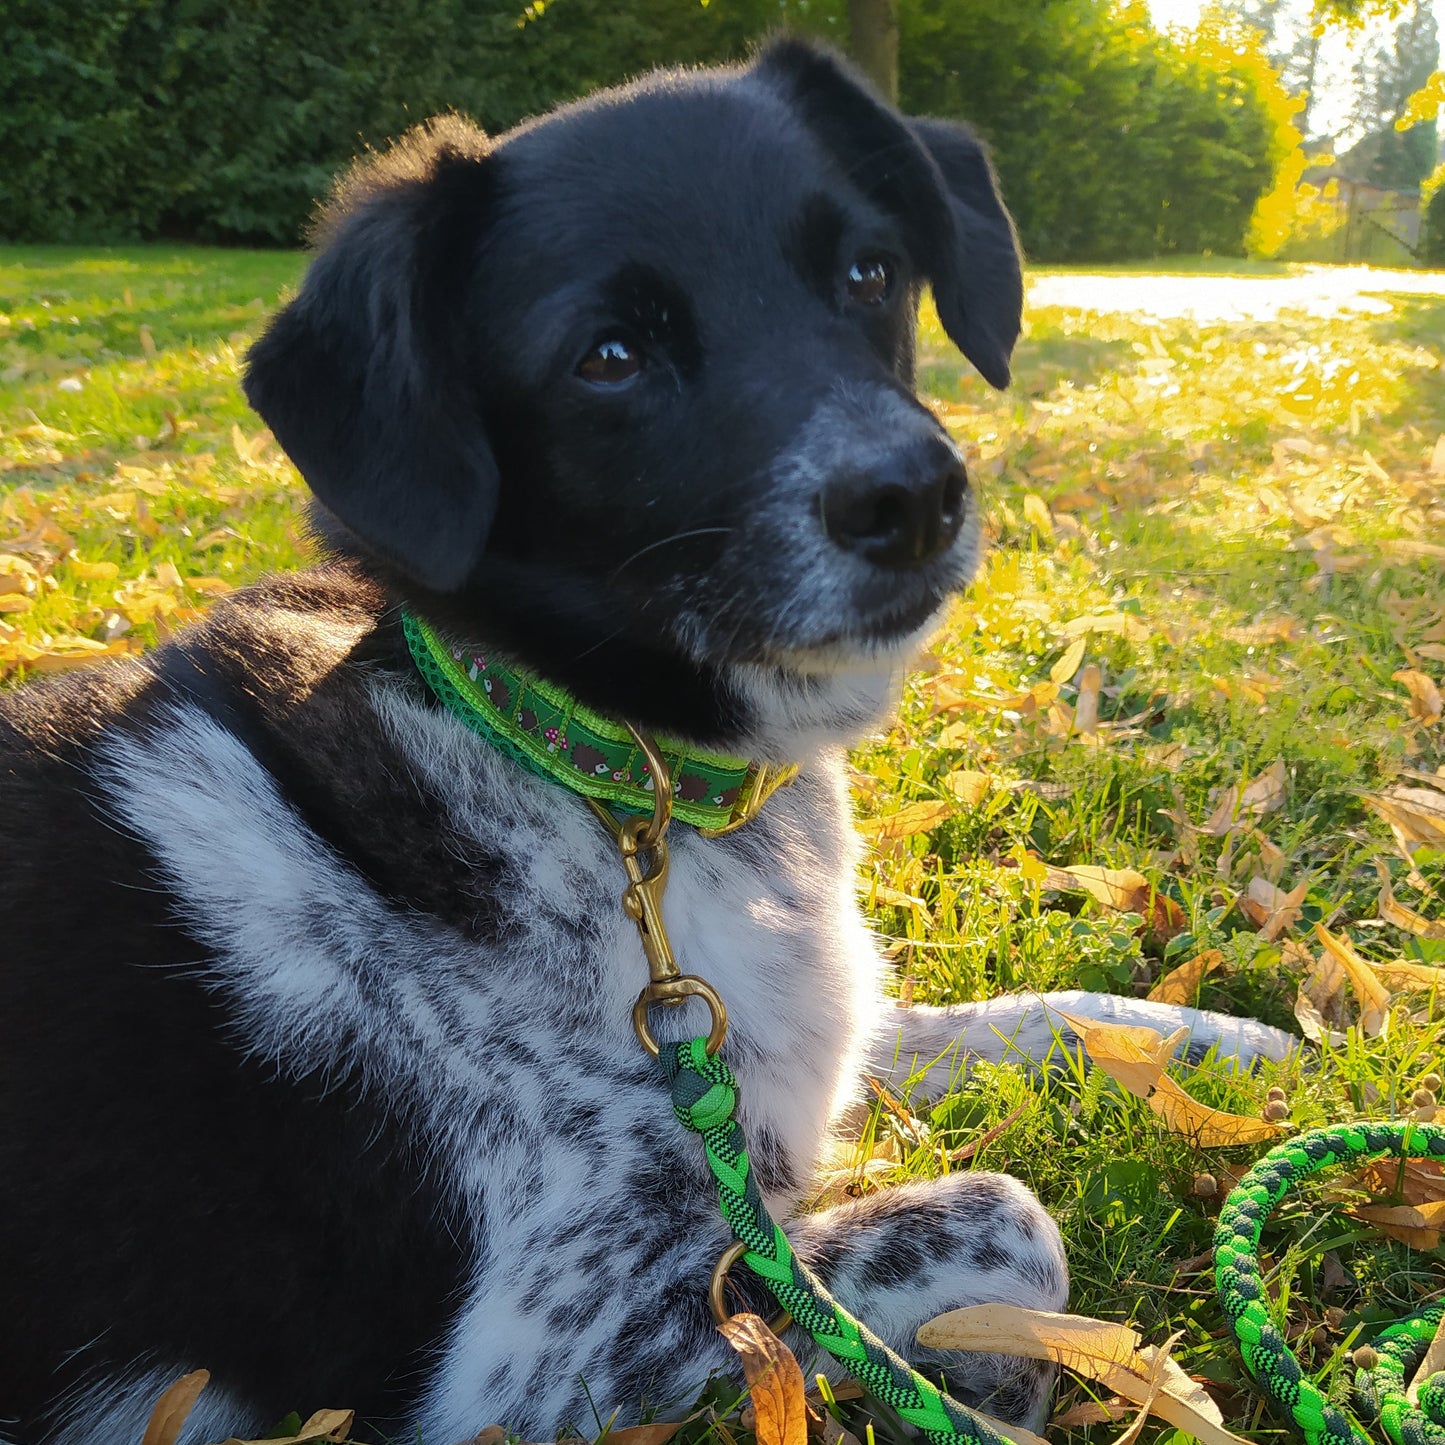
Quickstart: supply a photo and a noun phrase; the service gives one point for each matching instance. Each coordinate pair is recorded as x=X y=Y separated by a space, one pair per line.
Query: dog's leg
x=938 y=1043
x=903 y=1255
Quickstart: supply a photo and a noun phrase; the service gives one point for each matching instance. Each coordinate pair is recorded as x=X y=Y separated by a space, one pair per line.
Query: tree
x=873 y=28
x=1385 y=79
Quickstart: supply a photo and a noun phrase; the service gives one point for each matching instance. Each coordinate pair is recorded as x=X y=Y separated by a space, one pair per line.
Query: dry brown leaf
x=1208 y=1128
x=1270 y=908
x=774 y=1380
x=968 y=786
x=658 y=1434
x=174 y=1407
x=1411 y=1181
x=1109 y=1353
x=1394 y=912
x=1065 y=668
x=323 y=1425
x=492 y=1435
x=1417 y=1225
x=1130 y=1054
x=915 y=818
x=1416 y=814
x=1091 y=1412
x=1408 y=977
x=1181 y=985
x=1266 y=792
x=210 y=586
x=1320 y=1003
x=1434 y=1360
x=1426 y=704
x=1374 y=997
x=1016 y=1433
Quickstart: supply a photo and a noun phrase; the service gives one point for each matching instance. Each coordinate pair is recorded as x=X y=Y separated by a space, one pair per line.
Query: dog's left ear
x=936 y=178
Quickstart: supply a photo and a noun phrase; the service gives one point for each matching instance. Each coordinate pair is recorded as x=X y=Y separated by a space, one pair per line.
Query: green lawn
x=1223 y=542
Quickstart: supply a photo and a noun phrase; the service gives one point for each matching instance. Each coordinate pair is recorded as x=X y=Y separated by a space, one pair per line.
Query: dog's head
x=628 y=393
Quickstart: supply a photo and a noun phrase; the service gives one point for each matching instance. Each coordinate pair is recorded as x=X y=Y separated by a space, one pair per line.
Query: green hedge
x=209 y=120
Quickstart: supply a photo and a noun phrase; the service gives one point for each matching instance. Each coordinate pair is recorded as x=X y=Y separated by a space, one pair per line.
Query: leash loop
x=1241 y=1291
x=674 y=991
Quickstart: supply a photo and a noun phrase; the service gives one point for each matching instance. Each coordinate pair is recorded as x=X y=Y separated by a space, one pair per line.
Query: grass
x=1241 y=525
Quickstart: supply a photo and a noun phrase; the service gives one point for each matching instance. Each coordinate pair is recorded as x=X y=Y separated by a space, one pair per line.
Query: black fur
x=174 y=1192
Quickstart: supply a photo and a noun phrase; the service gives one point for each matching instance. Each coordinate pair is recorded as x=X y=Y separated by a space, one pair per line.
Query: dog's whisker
x=666 y=542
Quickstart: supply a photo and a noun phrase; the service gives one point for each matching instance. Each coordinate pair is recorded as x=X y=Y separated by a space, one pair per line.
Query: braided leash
x=705 y=1098
x=1380 y=1388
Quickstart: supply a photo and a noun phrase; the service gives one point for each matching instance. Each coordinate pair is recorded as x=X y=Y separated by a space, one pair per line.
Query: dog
x=318 y=1069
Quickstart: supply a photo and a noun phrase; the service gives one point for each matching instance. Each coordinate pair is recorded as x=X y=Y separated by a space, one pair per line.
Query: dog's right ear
x=362 y=377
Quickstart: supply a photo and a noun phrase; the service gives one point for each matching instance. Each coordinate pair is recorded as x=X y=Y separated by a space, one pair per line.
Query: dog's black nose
x=903 y=513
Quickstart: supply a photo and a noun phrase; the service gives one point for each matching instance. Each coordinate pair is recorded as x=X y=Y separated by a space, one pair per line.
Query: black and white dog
x=316 y=1066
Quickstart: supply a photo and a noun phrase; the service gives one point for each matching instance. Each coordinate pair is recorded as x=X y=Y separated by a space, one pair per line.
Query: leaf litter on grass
x=1187 y=713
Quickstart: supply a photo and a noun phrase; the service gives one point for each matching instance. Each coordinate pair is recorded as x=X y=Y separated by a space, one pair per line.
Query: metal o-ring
x=674 y=990
x=717 y=1286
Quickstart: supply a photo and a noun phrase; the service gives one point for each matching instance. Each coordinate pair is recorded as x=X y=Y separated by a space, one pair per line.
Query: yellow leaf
x=1320 y=1003
x=219 y=587
x=1394 y=912
x=774 y=1379
x=969 y=787
x=1371 y=992
x=1120 y=888
x=1426 y=704
x=93 y=571
x=1130 y=1054
x=1208 y=1128
x=16 y=602
x=915 y=818
x=1065 y=668
x=1109 y=1353
x=1036 y=513
x=1122 y=624
x=1181 y=985
x=174 y=1408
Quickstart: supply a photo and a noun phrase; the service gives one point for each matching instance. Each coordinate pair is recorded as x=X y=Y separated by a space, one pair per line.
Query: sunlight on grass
x=1218 y=533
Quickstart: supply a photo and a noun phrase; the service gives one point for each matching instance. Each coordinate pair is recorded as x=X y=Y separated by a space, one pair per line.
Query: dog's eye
x=870 y=281
x=610 y=363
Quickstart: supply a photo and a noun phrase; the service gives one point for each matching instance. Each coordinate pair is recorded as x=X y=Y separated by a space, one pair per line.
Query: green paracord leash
x=1381 y=1388
x=704 y=1098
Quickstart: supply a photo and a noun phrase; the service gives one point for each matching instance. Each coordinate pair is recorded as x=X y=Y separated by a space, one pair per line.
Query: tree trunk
x=874 y=28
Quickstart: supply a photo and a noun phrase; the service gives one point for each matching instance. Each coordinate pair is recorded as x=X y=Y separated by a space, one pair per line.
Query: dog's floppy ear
x=935 y=176
x=362 y=378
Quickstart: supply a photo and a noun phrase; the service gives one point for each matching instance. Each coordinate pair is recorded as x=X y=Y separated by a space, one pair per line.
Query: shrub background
x=204 y=120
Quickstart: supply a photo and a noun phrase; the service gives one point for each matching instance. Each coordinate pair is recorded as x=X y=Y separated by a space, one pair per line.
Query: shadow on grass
x=1419 y=321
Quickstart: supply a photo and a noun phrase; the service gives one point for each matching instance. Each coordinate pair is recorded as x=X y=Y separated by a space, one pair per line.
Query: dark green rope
x=1381 y=1387
x=704 y=1097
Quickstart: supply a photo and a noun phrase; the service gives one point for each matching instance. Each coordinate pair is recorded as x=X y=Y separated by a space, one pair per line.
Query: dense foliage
x=201 y=119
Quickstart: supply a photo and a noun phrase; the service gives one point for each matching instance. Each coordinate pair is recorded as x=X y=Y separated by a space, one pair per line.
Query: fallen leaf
x=774 y=1380
x=1091 y=1412
x=1208 y=1128
x=1130 y=1054
x=1410 y=1181
x=1086 y=710
x=1120 y=624
x=1109 y=1353
x=1270 y=908
x=1120 y=888
x=657 y=1434
x=174 y=1408
x=1373 y=996
x=1181 y=985
x=1426 y=705
x=1320 y=1002
x=1065 y=668
x=323 y=1425
x=1036 y=514
x=1434 y=1360
x=212 y=587
x=915 y=818
x=969 y=787
x=1417 y=1225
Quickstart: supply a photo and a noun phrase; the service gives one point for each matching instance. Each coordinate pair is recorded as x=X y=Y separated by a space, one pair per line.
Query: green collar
x=554 y=736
